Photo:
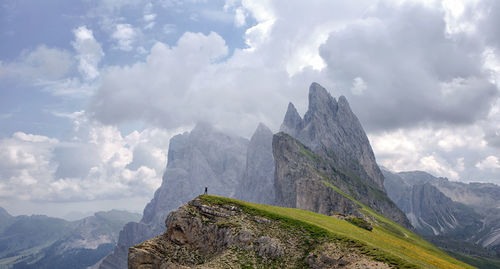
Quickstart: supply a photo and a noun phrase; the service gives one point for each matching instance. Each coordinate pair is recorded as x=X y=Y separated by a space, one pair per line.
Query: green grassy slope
x=387 y=242
x=479 y=262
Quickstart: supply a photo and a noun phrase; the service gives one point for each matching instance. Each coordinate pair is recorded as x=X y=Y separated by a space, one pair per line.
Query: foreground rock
x=207 y=235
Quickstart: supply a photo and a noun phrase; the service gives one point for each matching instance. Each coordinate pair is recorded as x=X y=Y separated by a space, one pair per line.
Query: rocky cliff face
x=331 y=130
x=203 y=157
x=300 y=179
x=335 y=147
x=432 y=213
x=202 y=234
x=446 y=211
x=305 y=180
x=257 y=184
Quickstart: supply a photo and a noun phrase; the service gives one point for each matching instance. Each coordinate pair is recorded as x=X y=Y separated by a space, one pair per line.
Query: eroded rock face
x=304 y=180
x=203 y=157
x=204 y=235
x=257 y=184
x=331 y=130
x=450 y=214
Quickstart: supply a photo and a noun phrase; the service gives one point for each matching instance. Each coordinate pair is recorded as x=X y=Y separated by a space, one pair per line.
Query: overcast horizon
x=92 y=91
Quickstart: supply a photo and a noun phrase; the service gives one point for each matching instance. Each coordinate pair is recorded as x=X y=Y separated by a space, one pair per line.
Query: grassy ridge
x=387 y=242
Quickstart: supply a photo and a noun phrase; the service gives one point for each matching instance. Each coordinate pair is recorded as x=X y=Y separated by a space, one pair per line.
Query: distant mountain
x=257 y=184
x=341 y=153
x=456 y=216
x=39 y=241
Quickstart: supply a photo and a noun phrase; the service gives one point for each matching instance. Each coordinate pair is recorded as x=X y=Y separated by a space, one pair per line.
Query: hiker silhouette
x=206 y=190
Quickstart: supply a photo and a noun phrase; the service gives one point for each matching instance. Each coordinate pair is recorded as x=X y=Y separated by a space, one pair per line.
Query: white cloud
x=424 y=79
x=490 y=162
x=95 y=163
x=358 y=86
x=41 y=64
x=436 y=166
x=169 y=29
x=240 y=17
x=448 y=151
x=149 y=17
x=125 y=35
x=89 y=52
x=132 y=88
x=150 y=20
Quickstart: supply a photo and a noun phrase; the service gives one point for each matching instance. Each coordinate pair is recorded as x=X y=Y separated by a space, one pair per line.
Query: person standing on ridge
x=206 y=190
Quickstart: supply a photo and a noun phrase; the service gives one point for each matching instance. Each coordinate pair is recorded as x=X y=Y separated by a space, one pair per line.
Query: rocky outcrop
x=305 y=180
x=202 y=234
x=331 y=130
x=257 y=184
x=203 y=157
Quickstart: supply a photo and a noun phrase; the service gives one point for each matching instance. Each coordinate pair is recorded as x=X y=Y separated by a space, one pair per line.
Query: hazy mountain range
x=454 y=215
x=39 y=241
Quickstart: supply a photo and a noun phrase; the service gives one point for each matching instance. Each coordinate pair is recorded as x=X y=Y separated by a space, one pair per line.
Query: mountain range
x=321 y=162
x=459 y=217
x=39 y=241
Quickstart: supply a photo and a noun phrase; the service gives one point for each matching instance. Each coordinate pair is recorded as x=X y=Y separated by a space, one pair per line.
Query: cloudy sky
x=92 y=90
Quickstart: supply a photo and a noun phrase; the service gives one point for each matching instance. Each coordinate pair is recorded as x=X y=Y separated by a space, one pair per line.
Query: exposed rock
x=304 y=180
x=203 y=157
x=331 y=130
x=258 y=180
x=432 y=213
x=456 y=216
x=229 y=237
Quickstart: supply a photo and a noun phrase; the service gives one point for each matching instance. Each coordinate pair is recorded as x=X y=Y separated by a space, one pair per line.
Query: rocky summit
x=328 y=149
x=331 y=130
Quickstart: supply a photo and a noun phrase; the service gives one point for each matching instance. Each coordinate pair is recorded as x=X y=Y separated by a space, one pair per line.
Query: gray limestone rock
x=305 y=180
x=331 y=130
x=257 y=184
x=340 y=151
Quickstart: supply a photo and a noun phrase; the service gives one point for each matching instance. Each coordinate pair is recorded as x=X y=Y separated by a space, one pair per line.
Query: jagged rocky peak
x=331 y=130
x=257 y=182
x=321 y=103
x=292 y=121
